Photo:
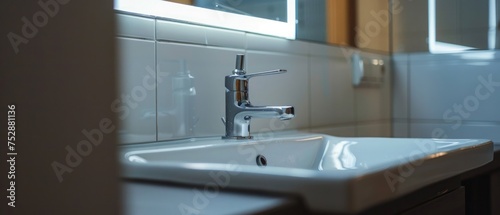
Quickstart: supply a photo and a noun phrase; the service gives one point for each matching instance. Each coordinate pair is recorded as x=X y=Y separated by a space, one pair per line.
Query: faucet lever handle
x=270 y=72
x=240 y=71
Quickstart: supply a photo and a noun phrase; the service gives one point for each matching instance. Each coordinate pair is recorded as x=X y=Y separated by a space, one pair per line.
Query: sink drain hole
x=261 y=160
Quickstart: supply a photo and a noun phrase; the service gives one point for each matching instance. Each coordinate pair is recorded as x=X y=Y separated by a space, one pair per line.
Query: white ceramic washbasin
x=332 y=174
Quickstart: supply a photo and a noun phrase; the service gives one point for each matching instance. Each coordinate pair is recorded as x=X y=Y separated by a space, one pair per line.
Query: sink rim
x=350 y=183
x=198 y=143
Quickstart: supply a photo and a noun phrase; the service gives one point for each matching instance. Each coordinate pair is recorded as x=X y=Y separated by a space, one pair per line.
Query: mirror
x=309 y=18
x=322 y=21
x=236 y=19
x=460 y=25
x=266 y=9
x=453 y=25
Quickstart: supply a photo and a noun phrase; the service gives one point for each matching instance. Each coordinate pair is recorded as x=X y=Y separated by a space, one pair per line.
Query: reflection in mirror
x=185 y=12
x=453 y=25
x=267 y=9
x=459 y=25
x=322 y=21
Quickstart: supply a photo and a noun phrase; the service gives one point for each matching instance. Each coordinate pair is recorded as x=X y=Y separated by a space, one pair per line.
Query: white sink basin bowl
x=332 y=174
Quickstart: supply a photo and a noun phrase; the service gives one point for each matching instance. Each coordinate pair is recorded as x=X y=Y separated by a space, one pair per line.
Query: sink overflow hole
x=261 y=160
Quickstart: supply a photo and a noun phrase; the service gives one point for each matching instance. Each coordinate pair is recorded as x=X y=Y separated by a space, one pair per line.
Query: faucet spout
x=280 y=112
x=239 y=110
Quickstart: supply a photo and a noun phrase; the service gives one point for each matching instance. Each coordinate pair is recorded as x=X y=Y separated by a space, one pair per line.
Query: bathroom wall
x=180 y=105
x=445 y=95
x=460 y=22
x=453 y=95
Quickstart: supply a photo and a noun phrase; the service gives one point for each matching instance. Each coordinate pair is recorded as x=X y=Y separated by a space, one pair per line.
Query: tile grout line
x=309 y=86
x=156 y=78
x=408 y=107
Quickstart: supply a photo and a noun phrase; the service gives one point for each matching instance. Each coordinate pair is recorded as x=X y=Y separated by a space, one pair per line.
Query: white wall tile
x=225 y=38
x=435 y=89
x=454 y=58
x=400 y=128
x=267 y=43
x=137 y=105
x=382 y=129
x=440 y=130
x=340 y=131
x=438 y=84
x=368 y=104
x=400 y=87
x=134 y=26
x=324 y=50
x=291 y=88
x=208 y=66
x=332 y=94
x=180 y=32
x=195 y=34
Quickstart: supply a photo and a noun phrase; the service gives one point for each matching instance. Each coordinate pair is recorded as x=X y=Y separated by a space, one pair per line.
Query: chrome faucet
x=239 y=110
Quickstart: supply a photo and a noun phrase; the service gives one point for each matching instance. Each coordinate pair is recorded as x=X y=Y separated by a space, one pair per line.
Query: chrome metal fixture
x=239 y=110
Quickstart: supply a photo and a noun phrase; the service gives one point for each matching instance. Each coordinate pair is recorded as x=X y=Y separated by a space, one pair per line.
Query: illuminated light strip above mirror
x=192 y=14
x=492 y=35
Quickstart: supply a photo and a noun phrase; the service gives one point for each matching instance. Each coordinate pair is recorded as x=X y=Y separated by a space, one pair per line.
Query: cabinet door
x=450 y=203
x=495 y=192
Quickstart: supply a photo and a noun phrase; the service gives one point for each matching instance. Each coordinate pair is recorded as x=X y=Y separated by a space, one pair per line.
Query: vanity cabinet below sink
x=445 y=197
x=482 y=187
x=146 y=198
x=495 y=192
x=449 y=203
